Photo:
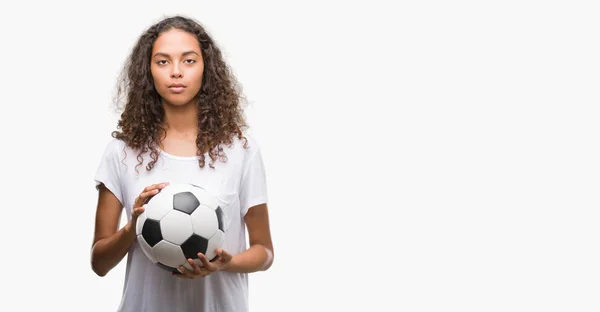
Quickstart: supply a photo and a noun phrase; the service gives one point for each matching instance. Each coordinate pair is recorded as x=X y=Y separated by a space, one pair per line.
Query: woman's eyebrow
x=167 y=55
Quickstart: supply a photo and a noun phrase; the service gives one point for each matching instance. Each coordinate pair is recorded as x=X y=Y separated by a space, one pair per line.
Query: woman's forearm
x=255 y=258
x=109 y=251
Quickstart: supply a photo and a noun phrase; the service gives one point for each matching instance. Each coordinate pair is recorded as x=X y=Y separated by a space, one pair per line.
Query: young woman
x=182 y=123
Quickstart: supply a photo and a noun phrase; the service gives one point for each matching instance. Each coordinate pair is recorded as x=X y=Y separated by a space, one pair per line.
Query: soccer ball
x=179 y=222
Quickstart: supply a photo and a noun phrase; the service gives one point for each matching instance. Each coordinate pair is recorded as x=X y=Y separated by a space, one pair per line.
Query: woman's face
x=177 y=67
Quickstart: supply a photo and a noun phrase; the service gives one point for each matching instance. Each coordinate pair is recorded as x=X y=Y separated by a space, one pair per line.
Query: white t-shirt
x=240 y=183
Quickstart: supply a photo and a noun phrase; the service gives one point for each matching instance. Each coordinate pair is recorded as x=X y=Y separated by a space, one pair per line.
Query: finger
x=155 y=186
x=149 y=193
x=205 y=263
x=144 y=197
x=224 y=256
x=194 y=266
x=159 y=186
x=185 y=272
x=150 y=190
x=138 y=211
x=150 y=187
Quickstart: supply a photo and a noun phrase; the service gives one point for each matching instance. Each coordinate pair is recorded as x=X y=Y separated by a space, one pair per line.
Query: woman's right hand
x=138 y=204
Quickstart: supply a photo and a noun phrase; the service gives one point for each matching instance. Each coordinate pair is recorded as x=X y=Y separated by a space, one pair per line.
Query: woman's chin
x=177 y=102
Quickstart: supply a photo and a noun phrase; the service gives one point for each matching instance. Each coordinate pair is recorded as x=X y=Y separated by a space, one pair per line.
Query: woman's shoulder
x=114 y=148
x=248 y=144
x=115 y=145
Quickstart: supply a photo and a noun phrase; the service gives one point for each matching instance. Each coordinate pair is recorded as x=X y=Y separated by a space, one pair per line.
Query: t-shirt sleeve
x=108 y=171
x=253 y=188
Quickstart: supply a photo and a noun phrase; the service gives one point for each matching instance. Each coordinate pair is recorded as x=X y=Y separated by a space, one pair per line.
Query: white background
x=421 y=156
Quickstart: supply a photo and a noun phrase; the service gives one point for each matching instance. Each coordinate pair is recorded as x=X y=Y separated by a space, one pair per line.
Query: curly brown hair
x=220 y=114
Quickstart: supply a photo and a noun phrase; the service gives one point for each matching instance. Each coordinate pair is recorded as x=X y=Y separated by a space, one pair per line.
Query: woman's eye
x=190 y=61
x=162 y=62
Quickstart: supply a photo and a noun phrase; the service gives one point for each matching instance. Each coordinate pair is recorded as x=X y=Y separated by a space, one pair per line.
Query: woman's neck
x=181 y=126
x=181 y=120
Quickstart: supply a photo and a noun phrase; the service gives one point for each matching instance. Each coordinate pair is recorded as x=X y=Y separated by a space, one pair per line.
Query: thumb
x=138 y=211
x=225 y=256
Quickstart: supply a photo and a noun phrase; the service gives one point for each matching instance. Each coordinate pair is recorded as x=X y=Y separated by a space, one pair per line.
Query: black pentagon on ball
x=193 y=245
x=151 y=232
x=219 y=212
x=185 y=202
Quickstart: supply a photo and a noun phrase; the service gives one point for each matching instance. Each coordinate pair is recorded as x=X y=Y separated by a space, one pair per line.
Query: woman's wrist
x=254 y=259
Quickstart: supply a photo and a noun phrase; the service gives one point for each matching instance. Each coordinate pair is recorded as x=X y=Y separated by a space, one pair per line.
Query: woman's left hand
x=208 y=267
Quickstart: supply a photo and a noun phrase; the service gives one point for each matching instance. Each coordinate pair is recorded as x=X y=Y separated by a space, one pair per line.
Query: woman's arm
x=259 y=256
x=110 y=245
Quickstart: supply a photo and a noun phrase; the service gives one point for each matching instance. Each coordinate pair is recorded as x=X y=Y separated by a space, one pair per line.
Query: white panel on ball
x=206 y=198
x=213 y=243
x=175 y=188
x=159 y=206
x=146 y=248
x=176 y=227
x=169 y=254
x=204 y=221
